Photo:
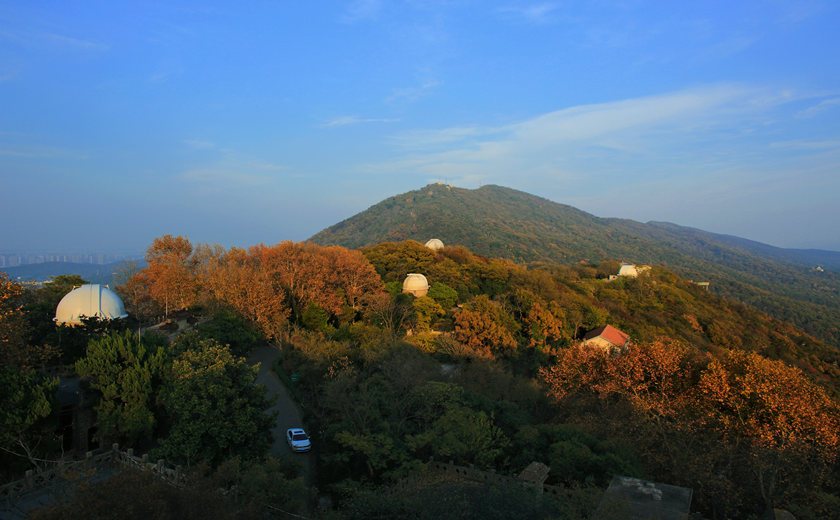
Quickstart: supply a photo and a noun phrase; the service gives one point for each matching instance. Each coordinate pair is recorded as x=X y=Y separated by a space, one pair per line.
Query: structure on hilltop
x=606 y=338
x=629 y=271
x=89 y=301
x=415 y=284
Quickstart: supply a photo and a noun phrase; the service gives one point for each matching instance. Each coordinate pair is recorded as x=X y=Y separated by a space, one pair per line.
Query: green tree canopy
x=231 y=329
x=24 y=401
x=127 y=372
x=446 y=296
x=427 y=310
x=463 y=435
x=216 y=409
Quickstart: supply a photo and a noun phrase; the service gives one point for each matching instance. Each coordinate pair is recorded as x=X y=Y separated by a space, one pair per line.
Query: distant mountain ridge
x=811 y=258
x=502 y=222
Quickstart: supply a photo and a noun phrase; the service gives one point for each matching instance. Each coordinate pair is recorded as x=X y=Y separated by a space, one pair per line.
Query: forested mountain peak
x=484 y=219
x=501 y=222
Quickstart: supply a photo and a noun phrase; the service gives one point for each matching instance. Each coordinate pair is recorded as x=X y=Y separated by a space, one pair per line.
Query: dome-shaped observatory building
x=415 y=284
x=89 y=301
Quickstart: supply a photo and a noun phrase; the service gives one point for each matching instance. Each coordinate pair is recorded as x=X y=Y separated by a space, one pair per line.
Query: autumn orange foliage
x=763 y=413
x=480 y=326
x=13 y=328
x=329 y=277
x=739 y=394
x=268 y=284
x=747 y=395
x=170 y=273
x=543 y=324
x=654 y=377
x=240 y=281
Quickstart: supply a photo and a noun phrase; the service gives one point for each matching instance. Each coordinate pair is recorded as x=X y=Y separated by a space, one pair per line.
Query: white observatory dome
x=628 y=270
x=434 y=244
x=415 y=284
x=91 y=301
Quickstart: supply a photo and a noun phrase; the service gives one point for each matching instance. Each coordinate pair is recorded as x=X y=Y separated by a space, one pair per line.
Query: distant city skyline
x=15 y=259
x=121 y=122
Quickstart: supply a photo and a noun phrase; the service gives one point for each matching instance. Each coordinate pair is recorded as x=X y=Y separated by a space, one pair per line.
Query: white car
x=298 y=440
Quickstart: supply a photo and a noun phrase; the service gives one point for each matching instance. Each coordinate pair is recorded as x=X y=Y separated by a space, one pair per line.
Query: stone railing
x=174 y=476
x=62 y=471
x=490 y=477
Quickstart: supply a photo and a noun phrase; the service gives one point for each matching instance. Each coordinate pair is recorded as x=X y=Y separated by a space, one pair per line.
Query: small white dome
x=415 y=284
x=628 y=270
x=91 y=301
x=434 y=244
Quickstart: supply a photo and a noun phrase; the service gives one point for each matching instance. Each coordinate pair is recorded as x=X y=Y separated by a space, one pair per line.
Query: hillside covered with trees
x=503 y=223
x=487 y=369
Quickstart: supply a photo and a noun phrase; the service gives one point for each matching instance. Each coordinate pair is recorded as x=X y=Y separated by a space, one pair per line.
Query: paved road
x=288 y=414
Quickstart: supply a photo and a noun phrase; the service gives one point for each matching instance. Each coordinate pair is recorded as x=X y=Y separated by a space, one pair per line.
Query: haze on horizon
x=120 y=122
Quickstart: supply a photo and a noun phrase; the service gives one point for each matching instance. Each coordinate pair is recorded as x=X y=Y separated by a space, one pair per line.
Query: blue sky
x=266 y=121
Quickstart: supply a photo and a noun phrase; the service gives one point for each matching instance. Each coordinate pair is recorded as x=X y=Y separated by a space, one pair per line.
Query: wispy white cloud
x=535 y=13
x=78 y=43
x=38 y=151
x=807 y=145
x=199 y=144
x=15 y=153
x=224 y=178
x=25 y=37
x=426 y=138
x=353 y=120
x=266 y=166
x=648 y=136
x=822 y=106
x=164 y=73
x=229 y=170
x=793 y=13
x=683 y=109
x=360 y=10
x=224 y=170
x=229 y=158
x=412 y=94
x=227 y=152
x=730 y=46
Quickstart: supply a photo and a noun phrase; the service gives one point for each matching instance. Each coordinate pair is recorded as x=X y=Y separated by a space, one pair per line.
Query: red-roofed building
x=607 y=338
